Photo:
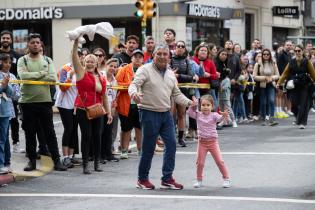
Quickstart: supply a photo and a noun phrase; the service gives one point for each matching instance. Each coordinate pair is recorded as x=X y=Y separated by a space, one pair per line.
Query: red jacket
x=209 y=68
x=87 y=92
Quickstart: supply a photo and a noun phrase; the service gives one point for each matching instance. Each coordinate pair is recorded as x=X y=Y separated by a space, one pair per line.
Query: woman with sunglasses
x=266 y=73
x=184 y=73
x=302 y=72
x=101 y=59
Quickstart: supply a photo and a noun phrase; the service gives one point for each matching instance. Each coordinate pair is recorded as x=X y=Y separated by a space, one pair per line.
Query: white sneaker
x=8 y=169
x=267 y=118
x=234 y=124
x=4 y=170
x=124 y=155
x=290 y=113
x=17 y=148
x=198 y=184
x=226 y=183
x=313 y=110
x=301 y=126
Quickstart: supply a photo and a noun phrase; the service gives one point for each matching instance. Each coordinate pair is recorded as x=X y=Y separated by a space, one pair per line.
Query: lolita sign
x=203 y=11
x=31 y=14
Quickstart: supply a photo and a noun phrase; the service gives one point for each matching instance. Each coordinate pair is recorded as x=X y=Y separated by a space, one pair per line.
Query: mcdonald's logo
x=238 y=13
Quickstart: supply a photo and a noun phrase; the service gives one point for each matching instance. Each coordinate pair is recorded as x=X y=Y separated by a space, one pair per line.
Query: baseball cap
x=137 y=51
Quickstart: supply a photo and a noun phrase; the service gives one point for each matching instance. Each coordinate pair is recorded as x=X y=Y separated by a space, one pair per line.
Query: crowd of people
x=259 y=84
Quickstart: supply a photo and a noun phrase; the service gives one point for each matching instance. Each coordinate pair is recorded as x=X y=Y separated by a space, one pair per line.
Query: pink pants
x=211 y=145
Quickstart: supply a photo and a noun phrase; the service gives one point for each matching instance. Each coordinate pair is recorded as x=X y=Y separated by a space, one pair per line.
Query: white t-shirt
x=66 y=99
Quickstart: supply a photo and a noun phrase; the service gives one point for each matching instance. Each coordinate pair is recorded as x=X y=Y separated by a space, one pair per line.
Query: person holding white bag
x=301 y=74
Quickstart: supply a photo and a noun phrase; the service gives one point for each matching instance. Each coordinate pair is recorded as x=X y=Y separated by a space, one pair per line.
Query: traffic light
x=145 y=9
x=140 y=4
x=149 y=9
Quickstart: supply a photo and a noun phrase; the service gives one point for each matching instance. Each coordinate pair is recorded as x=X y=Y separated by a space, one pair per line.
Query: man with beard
x=125 y=56
x=36 y=101
x=6 y=39
x=233 y=62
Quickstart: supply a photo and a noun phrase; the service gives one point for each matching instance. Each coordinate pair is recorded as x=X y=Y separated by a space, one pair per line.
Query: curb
x=46 y=166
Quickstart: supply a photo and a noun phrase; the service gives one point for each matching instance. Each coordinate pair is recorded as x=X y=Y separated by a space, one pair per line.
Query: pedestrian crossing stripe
x=141 y=196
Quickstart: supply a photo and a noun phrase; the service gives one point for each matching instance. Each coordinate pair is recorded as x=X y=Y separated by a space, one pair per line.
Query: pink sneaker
x=145 y=185
x=171 y=184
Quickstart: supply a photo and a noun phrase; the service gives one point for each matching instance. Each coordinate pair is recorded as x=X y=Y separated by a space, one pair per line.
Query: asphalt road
x=271 y=168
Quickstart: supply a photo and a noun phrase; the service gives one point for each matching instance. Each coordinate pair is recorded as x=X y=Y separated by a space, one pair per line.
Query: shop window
x=24 y=27
x=207 y=30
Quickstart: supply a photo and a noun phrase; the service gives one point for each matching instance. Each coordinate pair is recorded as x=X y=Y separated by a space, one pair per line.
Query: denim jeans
x=154 y=124
x=267 y=101
x=239 y=105
x=215 y=99
x=4 y=129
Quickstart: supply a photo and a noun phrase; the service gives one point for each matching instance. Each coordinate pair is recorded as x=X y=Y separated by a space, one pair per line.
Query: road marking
x=261 y=199
x=255 y=153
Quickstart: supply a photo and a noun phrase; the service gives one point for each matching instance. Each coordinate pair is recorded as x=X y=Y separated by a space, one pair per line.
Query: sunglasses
x=297 y=51
x=181 y=46
x=99 y=55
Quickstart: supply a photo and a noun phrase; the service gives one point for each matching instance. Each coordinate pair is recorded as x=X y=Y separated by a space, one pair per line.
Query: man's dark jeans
x=154 y=124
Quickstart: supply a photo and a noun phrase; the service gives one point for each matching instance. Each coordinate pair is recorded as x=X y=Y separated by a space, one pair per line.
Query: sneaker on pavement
x=234 y=124
x=272 y=122
x=289 y=113
x=158 y=149
x=8 y=168
x=76 y=161
x=58 y=166
x=255 y=117
x=301 y=126
x=112 y=159
x=4 y=170
x=17 y=148
x=145 y=185
x=313 y=110
x=226 y=183
x=171 y=184
x=124 y=155
x=284 y=115
x=198 y=184
x=67 y=162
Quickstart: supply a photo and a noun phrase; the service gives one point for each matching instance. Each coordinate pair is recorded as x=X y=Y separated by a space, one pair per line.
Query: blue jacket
x=6 y=102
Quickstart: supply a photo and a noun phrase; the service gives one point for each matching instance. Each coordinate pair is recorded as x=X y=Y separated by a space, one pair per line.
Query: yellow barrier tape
x=116 y=87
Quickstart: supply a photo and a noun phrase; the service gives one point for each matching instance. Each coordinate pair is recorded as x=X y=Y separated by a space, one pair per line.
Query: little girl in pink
x=208 y=138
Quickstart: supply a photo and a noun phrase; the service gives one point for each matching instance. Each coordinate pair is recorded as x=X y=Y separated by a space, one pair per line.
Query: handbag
x=94 y=111
x=290 y=84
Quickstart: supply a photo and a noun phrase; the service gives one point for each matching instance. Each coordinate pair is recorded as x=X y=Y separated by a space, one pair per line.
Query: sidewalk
x=18 y=162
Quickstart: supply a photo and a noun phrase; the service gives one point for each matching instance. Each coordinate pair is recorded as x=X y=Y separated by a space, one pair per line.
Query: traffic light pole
x=143 y=30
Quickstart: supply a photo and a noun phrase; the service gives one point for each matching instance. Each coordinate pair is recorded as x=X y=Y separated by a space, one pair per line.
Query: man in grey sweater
x=152 y=88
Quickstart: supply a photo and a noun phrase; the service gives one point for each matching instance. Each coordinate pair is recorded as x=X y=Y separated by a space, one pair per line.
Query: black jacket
x=283 y=59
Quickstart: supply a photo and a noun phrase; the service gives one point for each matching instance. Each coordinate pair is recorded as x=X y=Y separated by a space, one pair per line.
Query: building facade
x=194 y=21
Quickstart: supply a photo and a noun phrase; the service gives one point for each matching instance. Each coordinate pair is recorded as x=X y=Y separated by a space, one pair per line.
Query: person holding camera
x=301 y=71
